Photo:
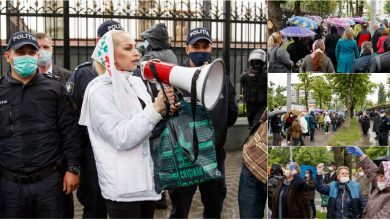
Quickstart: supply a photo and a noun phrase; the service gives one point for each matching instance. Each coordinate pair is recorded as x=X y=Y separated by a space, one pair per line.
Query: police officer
x=224 y=115
x=254 y=84
x=384 y=127
x=39 y=137
x=89 y=193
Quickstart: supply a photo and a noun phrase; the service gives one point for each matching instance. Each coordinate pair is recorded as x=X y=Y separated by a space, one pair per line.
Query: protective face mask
x=286 y=173
x=361 y=174
x=291 y=116
x=200 y=58
x=146 y=44
x=381 y=185
x=382 y=115
x=307 y=175
x=344 y=179
x=330 y=168
x=25 y=66
x=44 y=58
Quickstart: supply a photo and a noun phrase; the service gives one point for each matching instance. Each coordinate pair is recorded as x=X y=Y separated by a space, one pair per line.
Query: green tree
x=313 y=155
x=322 y=92
x=375 y=152
x=280 y=155
x=381 y=94
x=305 y=85
x=350 y=88
x=387 y=6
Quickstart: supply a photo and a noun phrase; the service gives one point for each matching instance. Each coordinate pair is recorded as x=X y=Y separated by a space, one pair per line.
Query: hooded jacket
x=119 y=129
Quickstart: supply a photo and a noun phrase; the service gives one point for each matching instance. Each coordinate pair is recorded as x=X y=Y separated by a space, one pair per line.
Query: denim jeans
x=334 y=127
x=252 y=195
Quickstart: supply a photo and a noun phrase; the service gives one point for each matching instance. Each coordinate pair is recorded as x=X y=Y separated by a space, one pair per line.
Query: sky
x=281 y=79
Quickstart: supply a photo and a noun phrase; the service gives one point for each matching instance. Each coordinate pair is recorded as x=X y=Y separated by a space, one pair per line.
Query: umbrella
x=315 y=18
x=273 y=113
x=303 y=22
x=349 y=20
x=359 y=20
x=317 y=110
x=339 y=22
x=378 y=160
x=297 y=32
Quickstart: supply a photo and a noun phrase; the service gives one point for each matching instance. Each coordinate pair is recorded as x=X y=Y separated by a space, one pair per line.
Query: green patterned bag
x=178 y=161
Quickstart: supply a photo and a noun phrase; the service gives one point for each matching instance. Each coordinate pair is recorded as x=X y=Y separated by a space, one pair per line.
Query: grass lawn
x=321 y=215
x=346 y=136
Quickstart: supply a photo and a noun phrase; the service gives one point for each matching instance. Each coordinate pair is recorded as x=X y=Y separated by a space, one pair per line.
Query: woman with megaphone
x=120 y=116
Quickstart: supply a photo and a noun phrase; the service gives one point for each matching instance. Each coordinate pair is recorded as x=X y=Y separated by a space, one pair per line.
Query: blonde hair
x=274 y=40
x=100 y=68
x=348 y=34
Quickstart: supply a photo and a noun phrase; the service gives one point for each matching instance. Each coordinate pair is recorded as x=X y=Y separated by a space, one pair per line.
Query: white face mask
x=361 y=173
x=330 y=168
x=381 y=185
x=344 y=179
x=382 y=115
x=287 y=173
x=307 y=175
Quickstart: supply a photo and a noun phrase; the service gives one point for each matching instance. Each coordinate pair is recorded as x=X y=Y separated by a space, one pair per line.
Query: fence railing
x=236 y=26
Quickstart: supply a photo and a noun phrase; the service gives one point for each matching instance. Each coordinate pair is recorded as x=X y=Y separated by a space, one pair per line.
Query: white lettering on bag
x=3 y=102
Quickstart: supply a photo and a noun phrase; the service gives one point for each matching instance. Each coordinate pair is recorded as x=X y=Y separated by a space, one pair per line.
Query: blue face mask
x=25 y=66
x=44 y=58
x=199 y=58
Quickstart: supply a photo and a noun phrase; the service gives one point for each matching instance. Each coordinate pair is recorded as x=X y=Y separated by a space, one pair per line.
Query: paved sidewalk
x=233 y=164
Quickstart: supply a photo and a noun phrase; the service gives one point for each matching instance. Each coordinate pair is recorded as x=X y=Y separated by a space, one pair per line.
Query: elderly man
x=345 y=197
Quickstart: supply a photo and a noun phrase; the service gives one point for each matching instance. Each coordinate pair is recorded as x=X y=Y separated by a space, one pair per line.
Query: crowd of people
x=89 y=130
x=356 y=50
x=380 y=125
x=291 y=193
x=295 y=126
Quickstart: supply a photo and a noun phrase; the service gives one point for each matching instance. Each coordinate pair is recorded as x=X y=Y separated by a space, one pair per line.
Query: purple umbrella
x=339 y=22
x=359 y=20
x=297 y=32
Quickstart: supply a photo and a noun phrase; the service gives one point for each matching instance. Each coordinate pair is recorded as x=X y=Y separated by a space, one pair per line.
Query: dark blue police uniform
x=88 y=193
x=39 y=139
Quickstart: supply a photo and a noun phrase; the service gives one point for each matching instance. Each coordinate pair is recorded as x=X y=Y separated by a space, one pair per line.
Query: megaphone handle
x=154 y=71
x=195 y=142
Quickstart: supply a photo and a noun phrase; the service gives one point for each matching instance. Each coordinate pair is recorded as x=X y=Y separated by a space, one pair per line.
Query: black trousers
x=384 y=138
x=252 y=110
x=43 y=199
x=89 y=193
x=312 y=132
x=213 y=194
x=130 y=210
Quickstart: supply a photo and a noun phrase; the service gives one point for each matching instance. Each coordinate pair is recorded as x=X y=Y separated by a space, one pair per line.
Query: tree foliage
x=387 y=6
x=305 y=85
x=381 y=94
x=351 y=88
x=322 y=91
x=276 y=97
x=302 y=155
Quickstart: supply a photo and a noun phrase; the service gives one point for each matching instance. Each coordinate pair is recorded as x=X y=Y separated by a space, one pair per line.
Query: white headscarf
x=125 y=91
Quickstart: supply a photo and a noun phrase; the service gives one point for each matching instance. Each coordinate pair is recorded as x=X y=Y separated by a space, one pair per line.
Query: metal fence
x=236 y=26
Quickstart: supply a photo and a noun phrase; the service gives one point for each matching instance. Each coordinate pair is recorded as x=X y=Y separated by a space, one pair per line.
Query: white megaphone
x=208 y=85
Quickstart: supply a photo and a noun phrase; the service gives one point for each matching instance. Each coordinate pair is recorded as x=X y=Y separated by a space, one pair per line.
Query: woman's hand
x=159 y=103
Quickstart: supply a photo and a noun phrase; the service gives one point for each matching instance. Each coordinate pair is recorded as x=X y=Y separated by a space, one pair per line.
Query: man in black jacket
x=39 y=137
x=224 y=115
x=276 y=127
x=254 y=84
x=45 y=60
x=384 y=127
